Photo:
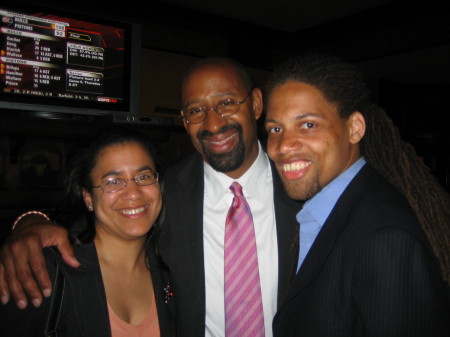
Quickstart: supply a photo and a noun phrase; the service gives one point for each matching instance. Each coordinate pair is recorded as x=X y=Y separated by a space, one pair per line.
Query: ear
x=357 y=127
x=87 y=199
x=184 y=122
x=257 y=102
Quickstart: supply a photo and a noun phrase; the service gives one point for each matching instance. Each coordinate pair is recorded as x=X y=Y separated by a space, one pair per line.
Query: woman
x=114 y=193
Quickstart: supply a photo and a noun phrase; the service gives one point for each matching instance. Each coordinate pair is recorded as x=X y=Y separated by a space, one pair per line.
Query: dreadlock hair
x=343 y=84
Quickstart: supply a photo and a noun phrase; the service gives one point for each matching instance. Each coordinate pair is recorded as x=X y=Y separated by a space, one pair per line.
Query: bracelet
x=27 y=214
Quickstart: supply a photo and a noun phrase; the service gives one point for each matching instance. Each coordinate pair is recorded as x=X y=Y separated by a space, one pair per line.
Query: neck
x=124 y=254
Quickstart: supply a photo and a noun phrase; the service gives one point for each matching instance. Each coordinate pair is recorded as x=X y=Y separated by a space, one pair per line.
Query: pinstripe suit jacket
x=370 y=272
x=181 y=241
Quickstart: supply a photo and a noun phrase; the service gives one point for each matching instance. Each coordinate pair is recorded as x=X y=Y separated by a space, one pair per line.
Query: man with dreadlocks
x=375 y=224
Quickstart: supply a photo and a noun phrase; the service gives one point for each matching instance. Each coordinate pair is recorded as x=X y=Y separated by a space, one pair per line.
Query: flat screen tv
x=67 y=62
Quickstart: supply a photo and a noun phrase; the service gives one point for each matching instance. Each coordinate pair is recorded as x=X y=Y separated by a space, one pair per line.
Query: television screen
x=51 y=61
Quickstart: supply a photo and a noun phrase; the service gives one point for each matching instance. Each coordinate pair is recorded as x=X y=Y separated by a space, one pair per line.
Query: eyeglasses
x=118 y=184
x=226 y=108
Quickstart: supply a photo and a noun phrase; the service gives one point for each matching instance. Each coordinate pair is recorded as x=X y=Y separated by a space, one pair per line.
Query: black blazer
x=181 y=241
x=84 y=311
x=370 y=272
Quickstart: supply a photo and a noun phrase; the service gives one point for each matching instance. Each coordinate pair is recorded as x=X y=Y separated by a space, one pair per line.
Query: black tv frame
x=131 y=74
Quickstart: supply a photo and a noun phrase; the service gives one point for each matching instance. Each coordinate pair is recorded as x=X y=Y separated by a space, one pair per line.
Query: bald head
x=228 y=143
x=221 y=62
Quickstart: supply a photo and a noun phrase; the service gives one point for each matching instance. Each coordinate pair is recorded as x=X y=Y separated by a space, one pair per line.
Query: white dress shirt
x=258 y=190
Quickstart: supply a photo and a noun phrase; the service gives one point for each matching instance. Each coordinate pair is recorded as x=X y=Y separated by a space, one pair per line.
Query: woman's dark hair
x=343 y=84
x=74 y=213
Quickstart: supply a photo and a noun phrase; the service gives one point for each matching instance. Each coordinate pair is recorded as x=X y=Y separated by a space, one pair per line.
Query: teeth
x=295 y=166
x=132 y=211
x=221 y=141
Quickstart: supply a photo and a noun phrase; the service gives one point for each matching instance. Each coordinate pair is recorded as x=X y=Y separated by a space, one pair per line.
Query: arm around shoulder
x=30 y=320
x=23 y=262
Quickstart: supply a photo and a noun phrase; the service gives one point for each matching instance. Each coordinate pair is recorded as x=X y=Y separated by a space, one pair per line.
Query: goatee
x=224 y=162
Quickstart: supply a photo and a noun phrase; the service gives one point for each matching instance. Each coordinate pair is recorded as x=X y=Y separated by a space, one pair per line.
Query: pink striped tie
x=243 y=303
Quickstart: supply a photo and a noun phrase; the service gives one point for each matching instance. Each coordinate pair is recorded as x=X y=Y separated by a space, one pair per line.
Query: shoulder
x=371 y=208
x=373 y=195
x=85 y=253
x=31 y=320
x=192 y=160
x=53 y=260
x=183 y=177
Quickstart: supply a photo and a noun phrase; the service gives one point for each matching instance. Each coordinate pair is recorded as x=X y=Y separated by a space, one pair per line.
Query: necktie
x=243 y=303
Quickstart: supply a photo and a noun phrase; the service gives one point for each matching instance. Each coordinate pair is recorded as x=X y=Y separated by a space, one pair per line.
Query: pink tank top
x=148 y=328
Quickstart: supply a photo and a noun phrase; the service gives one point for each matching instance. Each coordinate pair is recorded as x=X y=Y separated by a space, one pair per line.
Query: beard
x=302 y=190
x=224 y=162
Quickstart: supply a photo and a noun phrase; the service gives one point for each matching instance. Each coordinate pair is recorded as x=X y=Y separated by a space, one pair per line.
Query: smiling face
x=228 y=144
x=131 y=212
x=308 y=141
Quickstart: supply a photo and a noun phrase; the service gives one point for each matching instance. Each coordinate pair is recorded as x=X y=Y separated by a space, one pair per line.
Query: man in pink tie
x=220 y=109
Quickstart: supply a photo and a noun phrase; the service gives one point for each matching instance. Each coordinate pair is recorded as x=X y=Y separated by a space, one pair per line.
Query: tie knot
x=236 y=188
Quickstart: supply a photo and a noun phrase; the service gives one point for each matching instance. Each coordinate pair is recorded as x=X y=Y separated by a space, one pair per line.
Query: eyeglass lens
x=117 y=184
x=226 y=108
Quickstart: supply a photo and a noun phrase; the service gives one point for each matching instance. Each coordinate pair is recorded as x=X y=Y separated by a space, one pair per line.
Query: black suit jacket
x=181 y=241
x=84 y=311
x=370 y=272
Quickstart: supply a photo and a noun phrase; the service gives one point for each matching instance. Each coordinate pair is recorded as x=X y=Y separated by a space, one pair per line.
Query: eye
x=308 y=125
x=274 y=129
x=229 y=103
x=195 y=111
x=113 y=182
x=144 y=177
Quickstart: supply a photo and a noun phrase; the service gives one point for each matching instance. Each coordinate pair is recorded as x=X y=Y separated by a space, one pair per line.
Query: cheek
x=104 y=202
x=193 y=131
x=156 y=196
x=327 y=141
x=334 y=158
x=153 y=193
x=271 y=146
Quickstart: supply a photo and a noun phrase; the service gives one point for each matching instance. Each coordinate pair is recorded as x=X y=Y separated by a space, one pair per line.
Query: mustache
x=205 y=133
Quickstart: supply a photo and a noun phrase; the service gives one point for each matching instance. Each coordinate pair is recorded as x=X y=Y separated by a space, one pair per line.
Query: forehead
x=212 y=80
x=123 y=153
x=298 y=95
x=292 y=102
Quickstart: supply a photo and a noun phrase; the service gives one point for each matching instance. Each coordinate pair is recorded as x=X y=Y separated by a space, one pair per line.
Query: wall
x=161 y=75
x=33 y=150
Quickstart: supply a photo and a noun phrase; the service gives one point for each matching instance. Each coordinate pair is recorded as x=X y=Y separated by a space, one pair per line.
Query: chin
x=301 y=191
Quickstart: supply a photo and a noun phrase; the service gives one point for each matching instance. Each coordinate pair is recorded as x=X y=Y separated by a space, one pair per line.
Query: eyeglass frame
x=125 y=182
x=205 y=110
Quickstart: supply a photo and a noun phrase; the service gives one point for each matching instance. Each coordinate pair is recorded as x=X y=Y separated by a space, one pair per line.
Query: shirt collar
x=217 y=184
x=320 y=206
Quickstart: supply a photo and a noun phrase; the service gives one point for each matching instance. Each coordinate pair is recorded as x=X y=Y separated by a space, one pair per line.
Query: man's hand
x=22 y=263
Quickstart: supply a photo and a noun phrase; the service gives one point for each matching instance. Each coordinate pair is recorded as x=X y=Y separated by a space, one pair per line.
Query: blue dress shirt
x=316 y=210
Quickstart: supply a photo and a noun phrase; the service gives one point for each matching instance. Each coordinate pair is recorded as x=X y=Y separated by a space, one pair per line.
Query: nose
x=213 y=120
x=289 y=141
x=132 y=190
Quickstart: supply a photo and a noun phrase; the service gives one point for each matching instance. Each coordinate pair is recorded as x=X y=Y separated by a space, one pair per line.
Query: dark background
x=402 y=47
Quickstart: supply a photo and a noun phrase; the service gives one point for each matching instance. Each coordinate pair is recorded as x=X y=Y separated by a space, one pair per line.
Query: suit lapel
x=90 y=308
x=328 y=235
x=191 y=205
x=181 y=243
x=287 y=235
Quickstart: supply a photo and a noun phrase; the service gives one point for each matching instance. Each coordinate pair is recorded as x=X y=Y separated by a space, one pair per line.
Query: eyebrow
x=116 y=173
x=298 y=117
